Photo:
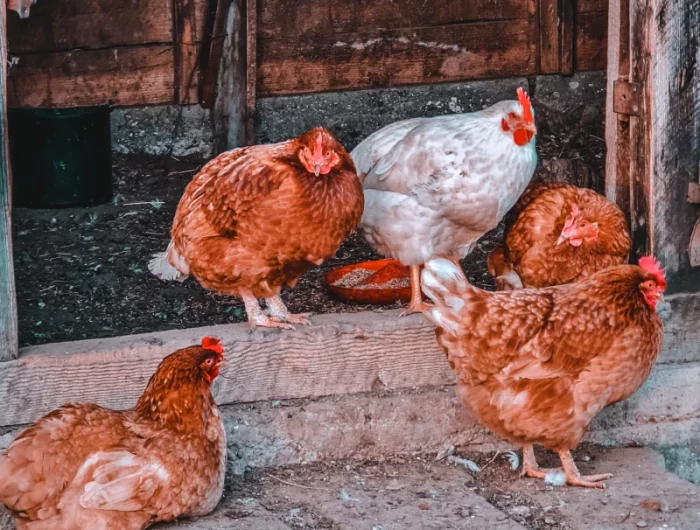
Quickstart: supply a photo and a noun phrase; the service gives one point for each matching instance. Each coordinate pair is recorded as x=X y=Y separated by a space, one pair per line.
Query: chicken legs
x=571 y=472
x=416 y=304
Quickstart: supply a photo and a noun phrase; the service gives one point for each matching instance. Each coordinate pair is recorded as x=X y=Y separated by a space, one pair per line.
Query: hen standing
x=536 y=365
x=434 y=186
x=558 y=233
x=255 y=219
x=84 y=466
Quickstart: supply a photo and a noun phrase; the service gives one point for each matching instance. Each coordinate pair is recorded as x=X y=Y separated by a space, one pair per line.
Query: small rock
x=642 y=524
x=573 y=85
x=520 y=510
x=548 y=520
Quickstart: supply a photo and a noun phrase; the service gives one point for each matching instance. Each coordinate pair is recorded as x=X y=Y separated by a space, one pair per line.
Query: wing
x=121 y=481
x=234 y=184
x=40 y=463
x=378 y=144
x=531 y=193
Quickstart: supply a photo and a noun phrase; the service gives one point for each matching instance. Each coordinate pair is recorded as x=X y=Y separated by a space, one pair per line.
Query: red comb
x=650 y=265
x=213 y=344
x=524 y=101
x=318 y=148
x=572 y=216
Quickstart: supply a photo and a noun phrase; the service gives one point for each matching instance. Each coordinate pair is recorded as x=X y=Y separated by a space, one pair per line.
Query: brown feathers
x=558 y=234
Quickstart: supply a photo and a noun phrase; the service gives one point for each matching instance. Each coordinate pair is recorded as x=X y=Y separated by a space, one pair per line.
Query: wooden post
x=8 y=303
x=185 y=51
x=215 y=45
x=251 y=68
x=556 y=36
x=653 y=128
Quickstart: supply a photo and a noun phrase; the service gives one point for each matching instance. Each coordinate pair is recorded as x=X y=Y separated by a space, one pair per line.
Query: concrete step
x=418 y=493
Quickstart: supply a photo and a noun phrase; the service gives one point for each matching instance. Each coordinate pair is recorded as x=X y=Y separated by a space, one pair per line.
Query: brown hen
x=558 y=233
x=535 y=366
x=255 y=219
x=83 y=466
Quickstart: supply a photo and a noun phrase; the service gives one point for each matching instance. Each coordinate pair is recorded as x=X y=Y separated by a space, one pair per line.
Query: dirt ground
x=418 y=492
x=82 y=273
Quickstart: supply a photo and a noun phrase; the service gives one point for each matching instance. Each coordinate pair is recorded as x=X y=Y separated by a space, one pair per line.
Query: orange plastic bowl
x=386 y=270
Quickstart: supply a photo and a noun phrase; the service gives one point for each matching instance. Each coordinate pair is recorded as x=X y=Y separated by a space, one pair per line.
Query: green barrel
x=60 y=157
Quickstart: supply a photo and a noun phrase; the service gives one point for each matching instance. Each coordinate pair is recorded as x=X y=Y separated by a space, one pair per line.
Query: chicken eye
x=512 y=115
x=583 y=224
x=209 y=361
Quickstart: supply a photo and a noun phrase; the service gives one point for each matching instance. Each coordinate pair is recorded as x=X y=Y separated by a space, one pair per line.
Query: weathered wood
x=617 y=183
x=591 y=6
x=251 y=68
x=313 y=18
x=422 y=55
x=214 y=46
x=671 y=47
x=68 y=24
x=124 y=76
x=550 y=37
x=185 y=50
x=8 y=303
x=566 y=33
x=339 y=354
x=590 y=34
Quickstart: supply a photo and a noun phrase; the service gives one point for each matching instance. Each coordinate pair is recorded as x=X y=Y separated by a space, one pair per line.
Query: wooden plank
x=251 y=68
x=8 y=304
x=214 y=45
x=68 y=24
x=124 y=76
x=568 y=9
x=306 y=18
x=339 y=354
x=185 y=50
x=423 y=55
x=550 y=37
x=672 y=99
x=617 y=180
x=591 y=6
x=591 y=36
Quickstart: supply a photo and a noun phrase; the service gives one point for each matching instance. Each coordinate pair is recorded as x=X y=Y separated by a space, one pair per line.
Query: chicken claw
x=278 y=311
x=574 y=478
x=256 y=316
x=530 y=466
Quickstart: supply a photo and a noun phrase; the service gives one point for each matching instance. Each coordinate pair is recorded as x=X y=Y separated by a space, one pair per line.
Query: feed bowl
x=373 y=286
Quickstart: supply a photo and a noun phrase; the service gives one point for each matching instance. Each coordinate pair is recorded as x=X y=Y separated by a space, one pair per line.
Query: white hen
x=434 y=186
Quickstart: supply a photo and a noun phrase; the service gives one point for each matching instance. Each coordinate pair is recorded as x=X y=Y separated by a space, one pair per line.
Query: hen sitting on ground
x=86 y=467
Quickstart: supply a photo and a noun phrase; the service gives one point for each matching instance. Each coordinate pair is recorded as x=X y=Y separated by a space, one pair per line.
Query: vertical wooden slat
x=251 y=67
x=215 y=45
x=568 y=7
x=550 y=50
x=185 y=50
x=617 y=181
x=8 y=303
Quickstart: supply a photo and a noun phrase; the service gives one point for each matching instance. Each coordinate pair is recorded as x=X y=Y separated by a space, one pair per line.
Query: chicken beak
x=317 y=169
x=659 y=296
x=562 y=238
x=532 y=128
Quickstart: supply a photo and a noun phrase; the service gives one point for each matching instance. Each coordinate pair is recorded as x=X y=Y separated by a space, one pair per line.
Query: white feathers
x=162 y=266
x=512 y=457
x=469 y=464
x=555 y=478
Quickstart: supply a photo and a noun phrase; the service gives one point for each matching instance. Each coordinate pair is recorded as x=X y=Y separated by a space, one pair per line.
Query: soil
x=82 y=272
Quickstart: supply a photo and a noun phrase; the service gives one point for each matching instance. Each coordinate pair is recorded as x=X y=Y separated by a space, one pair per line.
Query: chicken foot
x=278 y=311
x=416 y=304
x=571 y=472
x=530 y=466
x=257 y=317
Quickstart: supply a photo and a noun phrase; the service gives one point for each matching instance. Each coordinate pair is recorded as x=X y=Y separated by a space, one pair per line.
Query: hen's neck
x=184 y=409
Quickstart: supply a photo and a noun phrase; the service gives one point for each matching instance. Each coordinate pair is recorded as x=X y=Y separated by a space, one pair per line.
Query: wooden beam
x=668 y=49
x=396 y=57
x=140 y=75
x=566 y=36
x=251 y=68
x=339 y=354
x=617 y=176
x=215 y=46
x=185 y=50
x=8 y=303
x=70 y=24
x=550 y=37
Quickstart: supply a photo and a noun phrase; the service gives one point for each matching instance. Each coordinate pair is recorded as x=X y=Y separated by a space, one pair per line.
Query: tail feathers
x=444 y=282
x=169 y=265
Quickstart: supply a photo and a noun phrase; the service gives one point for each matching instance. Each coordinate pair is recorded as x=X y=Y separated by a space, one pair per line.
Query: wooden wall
x=135 y=52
